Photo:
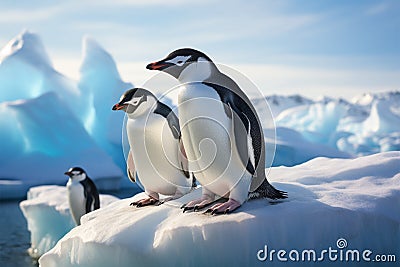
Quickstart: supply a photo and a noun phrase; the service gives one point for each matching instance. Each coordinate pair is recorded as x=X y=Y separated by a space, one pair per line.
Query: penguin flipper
x=91 y=194
x=241 y=129
x=170 y=116
x=130 y=168
x=89 y=201
x=245 y=123
x=96 y=204
x=182 y=159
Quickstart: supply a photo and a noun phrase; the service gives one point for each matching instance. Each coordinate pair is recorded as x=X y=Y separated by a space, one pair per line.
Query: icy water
x=15 y=237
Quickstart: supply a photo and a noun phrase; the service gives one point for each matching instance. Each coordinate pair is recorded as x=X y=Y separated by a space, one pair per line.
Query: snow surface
x=355 y=199
x=47 y=213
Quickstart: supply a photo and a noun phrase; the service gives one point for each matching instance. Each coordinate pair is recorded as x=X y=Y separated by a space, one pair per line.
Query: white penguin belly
x=209 y=141
x=77 y=201
x=155 y=153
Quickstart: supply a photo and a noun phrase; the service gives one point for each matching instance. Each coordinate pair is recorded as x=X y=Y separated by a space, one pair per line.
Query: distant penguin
x=155 y=147
x=83 y=196
x=215 y=114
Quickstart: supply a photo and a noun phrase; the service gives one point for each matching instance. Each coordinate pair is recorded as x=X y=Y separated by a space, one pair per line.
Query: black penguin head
x=76 y=173
x=180 y=60
x=135 y=101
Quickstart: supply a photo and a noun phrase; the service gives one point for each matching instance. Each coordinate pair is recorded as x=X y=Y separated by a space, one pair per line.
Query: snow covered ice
x=48 y=216
x=329 y=200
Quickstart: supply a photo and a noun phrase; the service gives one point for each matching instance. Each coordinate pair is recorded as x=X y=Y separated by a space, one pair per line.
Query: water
x=15 y=237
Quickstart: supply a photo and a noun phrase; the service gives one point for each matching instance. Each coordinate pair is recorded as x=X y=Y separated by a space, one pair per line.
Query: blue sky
x=336 y=48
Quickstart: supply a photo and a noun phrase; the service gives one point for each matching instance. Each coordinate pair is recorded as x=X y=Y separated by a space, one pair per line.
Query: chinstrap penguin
x=213 y=107
x=155 y=147
x=83 y=196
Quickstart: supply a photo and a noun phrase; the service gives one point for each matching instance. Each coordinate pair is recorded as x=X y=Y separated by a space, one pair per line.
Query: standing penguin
x=155 y=147
x=221 y=132
x=83 y=196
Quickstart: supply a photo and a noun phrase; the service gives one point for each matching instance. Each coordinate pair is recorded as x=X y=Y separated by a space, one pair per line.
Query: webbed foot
x=224 y=208
x=145 y=202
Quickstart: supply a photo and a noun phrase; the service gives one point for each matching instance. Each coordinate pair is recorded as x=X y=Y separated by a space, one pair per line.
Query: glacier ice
x=47 y=213
x=330 y=199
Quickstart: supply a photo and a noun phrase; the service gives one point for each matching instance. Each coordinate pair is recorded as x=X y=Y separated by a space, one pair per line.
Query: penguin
x=83 y=196
x=155 y=147
x=217 y=116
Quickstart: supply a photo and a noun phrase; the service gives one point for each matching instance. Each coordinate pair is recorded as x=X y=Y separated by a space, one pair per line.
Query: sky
x=337 y=48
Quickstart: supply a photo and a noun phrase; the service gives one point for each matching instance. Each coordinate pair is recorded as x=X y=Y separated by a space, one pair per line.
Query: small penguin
x=155 y=147
x=83 y=196
x=218 y=118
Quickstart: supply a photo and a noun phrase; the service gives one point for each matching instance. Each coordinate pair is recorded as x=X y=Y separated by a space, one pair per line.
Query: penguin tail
x=194 y=181
x=266 y=190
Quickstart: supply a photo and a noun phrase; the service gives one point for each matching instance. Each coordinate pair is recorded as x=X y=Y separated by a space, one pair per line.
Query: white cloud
x=18 y=15
x=315 y=82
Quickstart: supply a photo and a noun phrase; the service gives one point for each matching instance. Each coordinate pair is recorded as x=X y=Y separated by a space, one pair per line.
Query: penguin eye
x=180 y=63
x=178 y=60
x=135 y=101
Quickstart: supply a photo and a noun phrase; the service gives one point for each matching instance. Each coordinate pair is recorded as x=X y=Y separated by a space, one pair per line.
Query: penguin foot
x=145 y=202
x=224 y=208
x=198 y=204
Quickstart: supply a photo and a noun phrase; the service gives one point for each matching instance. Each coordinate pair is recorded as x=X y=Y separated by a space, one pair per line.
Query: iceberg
x=379 y=132
x=102 y=86
x=346 y=206
x=50 y=122
x=40 y=140
x=26 y=71
x=293 y=149
x=369 y=124
x=47 y=213
x=278 y=103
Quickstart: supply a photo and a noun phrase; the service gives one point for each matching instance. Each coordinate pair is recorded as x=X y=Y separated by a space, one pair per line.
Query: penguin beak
x=68 y=173
x=160 y=65
x=118 y=106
